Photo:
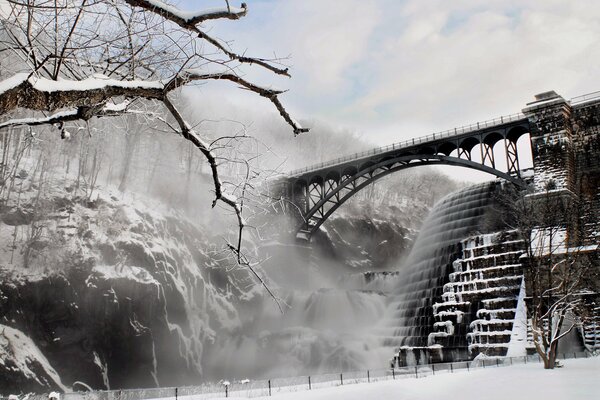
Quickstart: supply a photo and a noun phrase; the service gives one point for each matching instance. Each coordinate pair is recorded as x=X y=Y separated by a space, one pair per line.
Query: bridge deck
x=451 y=134
x=456 y=133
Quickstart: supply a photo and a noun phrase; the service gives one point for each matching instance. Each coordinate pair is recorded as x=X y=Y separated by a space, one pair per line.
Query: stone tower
x=551 y=143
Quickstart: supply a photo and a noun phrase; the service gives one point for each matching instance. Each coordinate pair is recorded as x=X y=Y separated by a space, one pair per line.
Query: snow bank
x=578 y=380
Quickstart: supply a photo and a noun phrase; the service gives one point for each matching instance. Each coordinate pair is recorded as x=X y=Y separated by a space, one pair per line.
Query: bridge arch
x=319 y=191
x=329 y=194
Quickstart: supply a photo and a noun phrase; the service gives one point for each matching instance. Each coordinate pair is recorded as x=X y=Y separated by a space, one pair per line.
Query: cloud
x=398 y=69
x=325 y=38
x=483 y=63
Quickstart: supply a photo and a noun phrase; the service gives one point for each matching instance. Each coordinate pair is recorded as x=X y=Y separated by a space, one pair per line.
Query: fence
x=270 y=387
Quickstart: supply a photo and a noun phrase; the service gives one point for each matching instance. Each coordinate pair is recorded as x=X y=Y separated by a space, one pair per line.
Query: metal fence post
x=416 y=371
x=468 y=367
x=433 y=369
x=451 y=368
x=341 y=379
x=269 y=387
x=309 y=385
x=175 y=393
x=226 y=391
x=497 y=362
x=394 y=373
x=368 y=377
x=575 y=354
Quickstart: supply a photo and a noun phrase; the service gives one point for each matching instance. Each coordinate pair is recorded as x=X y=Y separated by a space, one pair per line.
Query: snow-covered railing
x=258 y=388
x=411 y=142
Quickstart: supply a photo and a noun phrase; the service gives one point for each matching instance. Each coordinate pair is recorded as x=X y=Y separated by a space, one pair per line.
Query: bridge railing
x=411 y=142
x=585 y=98
x=588 y=97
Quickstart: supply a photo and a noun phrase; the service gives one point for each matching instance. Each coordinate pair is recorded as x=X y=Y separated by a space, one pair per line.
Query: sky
x=393 y=70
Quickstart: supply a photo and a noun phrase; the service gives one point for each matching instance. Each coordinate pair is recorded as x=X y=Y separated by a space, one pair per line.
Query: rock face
x=364 y=243
x=116 y=296
x=119 y=295
x=22 y=364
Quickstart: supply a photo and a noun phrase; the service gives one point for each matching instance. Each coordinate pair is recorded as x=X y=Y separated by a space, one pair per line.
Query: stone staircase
x=480 y=300
x=591 y=332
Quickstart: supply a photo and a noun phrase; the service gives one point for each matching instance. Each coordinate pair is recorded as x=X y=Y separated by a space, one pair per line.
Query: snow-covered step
x=491 y=325
x=479 y=284
x=501 y=291
x=500 y=313
x=489 y=349
x=491 y=260
x=451 y=305
x=591 y=331
x=486 y=273
x=499 y=302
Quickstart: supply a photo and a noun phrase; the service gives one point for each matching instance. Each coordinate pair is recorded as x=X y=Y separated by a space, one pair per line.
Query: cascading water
x=418 y=283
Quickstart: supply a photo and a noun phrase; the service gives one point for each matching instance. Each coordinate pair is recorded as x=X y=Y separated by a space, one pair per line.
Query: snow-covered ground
x=578 y=380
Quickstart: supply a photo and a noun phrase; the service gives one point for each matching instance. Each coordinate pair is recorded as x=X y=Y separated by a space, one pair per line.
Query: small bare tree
x=71 y=61
x=557 y=270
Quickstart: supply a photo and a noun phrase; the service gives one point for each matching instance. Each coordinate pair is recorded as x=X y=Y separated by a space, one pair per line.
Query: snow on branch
x=91 y=94
x=78 y=114
x=190 y=18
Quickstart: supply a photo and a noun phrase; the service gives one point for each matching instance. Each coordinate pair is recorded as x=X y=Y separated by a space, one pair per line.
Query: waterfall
x=418 y=283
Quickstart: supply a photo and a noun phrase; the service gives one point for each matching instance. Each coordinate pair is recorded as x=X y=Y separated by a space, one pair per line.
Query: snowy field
x=579 y=379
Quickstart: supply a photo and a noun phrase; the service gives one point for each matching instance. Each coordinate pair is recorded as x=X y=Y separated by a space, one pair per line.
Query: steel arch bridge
x=316 y=192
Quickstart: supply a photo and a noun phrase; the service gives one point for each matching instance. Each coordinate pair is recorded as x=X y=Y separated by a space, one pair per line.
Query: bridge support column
x=464 y=154
x=512 y=157
x=487 y=155
x=550 y=130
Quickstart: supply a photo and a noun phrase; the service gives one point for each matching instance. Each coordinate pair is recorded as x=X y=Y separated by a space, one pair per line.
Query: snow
x=518 y=339
x=577 y=380
x=126 y=272
x=27 y=121
x=91 y=83
x=191 y=15
x=12 y=82
x=458 y=314
x=117 y=107
x=19 y=353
